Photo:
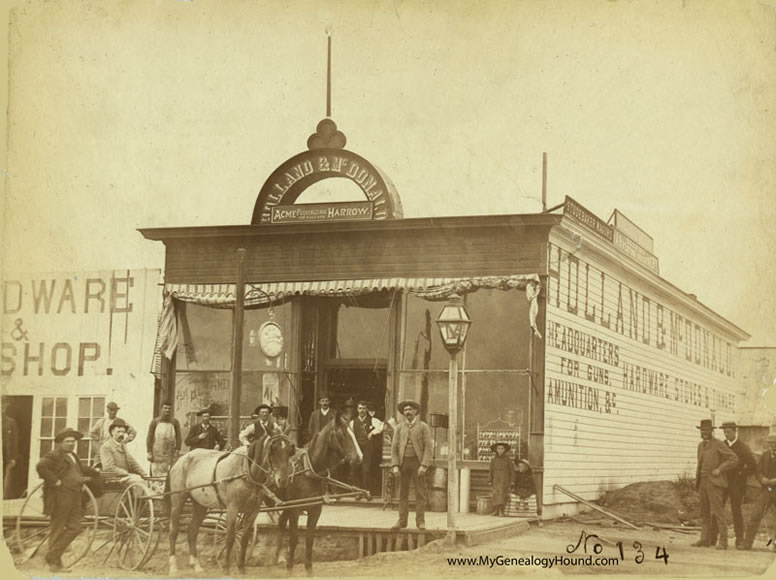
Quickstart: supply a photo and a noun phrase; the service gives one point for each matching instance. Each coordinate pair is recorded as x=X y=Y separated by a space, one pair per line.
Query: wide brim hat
x=497 y=443
x=203 y=411
x=528 y=465
x=65 y=433
x=409 y=402
x=117 y=423
x=260 y=407
x=705 y=424
x=729 y=425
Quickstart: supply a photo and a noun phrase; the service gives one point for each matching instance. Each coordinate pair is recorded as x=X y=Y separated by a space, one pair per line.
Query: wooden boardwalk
x=371 y=526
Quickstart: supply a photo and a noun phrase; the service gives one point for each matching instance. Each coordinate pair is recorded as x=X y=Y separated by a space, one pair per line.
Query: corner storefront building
x=591 y=364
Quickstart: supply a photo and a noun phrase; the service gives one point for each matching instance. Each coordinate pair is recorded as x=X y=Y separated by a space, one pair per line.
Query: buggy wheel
x=33 y=528
x=133 y=528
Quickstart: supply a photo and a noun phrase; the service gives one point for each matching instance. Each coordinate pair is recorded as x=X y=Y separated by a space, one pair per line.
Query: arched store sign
x=326 y=159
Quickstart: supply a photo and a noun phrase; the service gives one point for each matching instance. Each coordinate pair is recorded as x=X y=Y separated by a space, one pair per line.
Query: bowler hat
x=65 y=433
x=705 y=424
x=409 y=402
x=117 y=423
x=729 y=425
x=203 y=411
x=497 y=443
x=260 y=407
x=113 y=405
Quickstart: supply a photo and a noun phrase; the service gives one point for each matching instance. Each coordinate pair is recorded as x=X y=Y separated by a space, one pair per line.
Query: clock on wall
x=270 y=339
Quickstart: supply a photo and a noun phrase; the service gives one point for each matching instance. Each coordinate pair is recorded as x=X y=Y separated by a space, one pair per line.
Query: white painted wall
x=96 y=332
x=614 y=432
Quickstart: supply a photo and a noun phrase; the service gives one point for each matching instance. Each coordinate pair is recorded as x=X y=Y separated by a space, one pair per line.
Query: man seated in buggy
x=117 y=461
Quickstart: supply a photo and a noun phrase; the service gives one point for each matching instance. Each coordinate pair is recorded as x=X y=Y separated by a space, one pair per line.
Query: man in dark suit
x=736 y=480
x=320 y=417
x=715 y=459
x=63 y=476
x=205 y=435
x=410 y=460
x=766 y=475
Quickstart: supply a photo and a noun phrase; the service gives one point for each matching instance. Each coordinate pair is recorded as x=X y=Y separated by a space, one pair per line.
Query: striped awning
x=256 y=294
x=223 y=295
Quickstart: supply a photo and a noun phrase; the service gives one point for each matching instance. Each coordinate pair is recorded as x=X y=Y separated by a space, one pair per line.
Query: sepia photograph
x=388 y=288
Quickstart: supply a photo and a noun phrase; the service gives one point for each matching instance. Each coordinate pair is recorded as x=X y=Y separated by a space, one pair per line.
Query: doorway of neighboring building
x=16 y=440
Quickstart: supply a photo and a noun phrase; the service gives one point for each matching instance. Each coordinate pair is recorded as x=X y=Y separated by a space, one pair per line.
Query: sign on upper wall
x=326 y=159
x=78 y=325
x=611 y=234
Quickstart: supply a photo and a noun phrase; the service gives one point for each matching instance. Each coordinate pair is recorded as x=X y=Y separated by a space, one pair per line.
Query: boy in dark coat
x=501 y=472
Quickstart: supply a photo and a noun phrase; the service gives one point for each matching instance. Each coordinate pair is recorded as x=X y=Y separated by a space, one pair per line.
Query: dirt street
x=644 y=552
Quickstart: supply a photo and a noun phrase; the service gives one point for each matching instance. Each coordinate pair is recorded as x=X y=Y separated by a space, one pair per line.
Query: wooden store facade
x=595 y=367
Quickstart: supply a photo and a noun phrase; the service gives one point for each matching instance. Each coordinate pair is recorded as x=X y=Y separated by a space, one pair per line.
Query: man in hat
x=320 y=417
x=63 y=475
x=766 y=475
x=163 y=442
x=205 y=435
x=263 y=426
x=736 y=480
x=410 y=459
x=715 y=459
x=100 y=432
x=117 y=461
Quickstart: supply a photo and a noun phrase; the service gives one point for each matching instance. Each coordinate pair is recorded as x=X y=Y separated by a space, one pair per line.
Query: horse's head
x=271 y=455
x=345 y=443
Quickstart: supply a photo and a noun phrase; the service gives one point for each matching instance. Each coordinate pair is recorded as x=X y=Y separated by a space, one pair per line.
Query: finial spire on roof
x=329 y=33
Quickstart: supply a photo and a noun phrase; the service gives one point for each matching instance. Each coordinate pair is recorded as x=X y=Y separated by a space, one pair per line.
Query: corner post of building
x=238 y=321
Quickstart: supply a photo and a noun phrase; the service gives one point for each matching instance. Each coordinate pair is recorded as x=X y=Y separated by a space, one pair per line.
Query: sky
x=156 y=113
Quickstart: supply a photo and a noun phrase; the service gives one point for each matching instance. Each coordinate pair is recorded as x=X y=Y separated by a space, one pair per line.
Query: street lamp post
x=454 y=322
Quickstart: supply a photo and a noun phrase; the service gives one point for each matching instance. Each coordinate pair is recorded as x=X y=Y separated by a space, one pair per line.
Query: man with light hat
x=766 y=475
x=715 y=459
x=63 y=476
x=116 y=458
x=411 y=456
x=100 y=432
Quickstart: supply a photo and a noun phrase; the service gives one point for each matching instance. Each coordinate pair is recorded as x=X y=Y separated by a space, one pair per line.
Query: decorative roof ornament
x=327 y=136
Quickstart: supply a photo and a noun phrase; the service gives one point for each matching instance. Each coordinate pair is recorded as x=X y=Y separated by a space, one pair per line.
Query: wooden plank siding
x=627 y=410
x=439 y=247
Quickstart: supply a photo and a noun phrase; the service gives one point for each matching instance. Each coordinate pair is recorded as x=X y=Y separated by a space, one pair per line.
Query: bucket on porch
x=437 y=500
x=484 y=504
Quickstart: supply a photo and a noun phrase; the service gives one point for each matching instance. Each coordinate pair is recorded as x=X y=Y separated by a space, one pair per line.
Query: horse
x=334 y=444
x=235 y=480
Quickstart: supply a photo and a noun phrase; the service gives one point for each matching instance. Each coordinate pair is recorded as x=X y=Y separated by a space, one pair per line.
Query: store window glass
x=53 y=418
x=362 y=333
x=422 y=345
x=495 y=407
x=500 y=332
x=204 y=337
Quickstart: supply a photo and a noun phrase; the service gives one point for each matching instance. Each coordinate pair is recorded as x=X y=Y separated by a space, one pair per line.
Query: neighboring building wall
x=625 y=391
x=757 y=373
x=75 y=341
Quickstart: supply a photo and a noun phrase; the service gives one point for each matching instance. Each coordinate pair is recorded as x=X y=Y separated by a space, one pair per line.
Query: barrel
x=439 y=478
x=484 y=504
x=437 y=500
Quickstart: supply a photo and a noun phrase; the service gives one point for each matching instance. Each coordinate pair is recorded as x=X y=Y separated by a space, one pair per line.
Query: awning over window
x=223 y=296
